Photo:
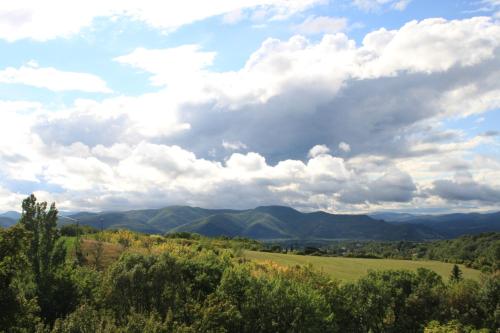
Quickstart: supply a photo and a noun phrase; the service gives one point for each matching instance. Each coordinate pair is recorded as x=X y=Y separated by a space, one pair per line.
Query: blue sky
x=340 y=105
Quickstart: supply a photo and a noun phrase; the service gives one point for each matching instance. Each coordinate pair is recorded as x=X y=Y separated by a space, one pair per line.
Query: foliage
x=456 y=274
x=46 y=255
x=477 y=251
x=453 y=326
x=18 y=305
x=73 y=230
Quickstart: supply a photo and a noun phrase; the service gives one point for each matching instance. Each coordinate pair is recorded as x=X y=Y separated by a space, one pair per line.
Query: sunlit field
x=353 y=268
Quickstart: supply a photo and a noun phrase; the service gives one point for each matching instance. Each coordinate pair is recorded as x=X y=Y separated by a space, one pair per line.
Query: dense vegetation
x=477 y=251
x=187 y=284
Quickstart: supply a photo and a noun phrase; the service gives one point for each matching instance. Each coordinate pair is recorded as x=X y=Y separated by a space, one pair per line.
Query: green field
x=352 y=268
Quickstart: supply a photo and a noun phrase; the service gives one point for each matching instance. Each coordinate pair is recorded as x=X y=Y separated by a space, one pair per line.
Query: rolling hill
x=264 y=223
x=284 y=223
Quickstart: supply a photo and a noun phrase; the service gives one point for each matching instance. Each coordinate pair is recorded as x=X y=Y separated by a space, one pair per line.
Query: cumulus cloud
x=59 y=18
x=393 y=186
x=318 y=150
x=53 y=79
x=277 y=116
x=293 y=94
x=124 y=171
x=114 y=120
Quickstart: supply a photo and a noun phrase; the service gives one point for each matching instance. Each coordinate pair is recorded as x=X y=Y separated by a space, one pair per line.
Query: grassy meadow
x=346 y=269
x=350 y=269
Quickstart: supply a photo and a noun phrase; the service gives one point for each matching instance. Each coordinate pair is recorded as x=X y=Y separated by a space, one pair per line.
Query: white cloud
x=113 y=120
x=19 y=106
x=386 y=97
x=401 y=4
x=321 y=25
x=53 y=79
x=428 y=46
x=431 y=45
x=318 y=150
x=10 y=200
x=345 y=147
x=180 y=65
x=233 y=145
x=146 y=167
x=59 y=18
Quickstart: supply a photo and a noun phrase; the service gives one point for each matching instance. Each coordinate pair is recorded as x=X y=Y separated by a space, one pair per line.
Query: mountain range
x=449 y=225
x=284 y=223
x=264 y=223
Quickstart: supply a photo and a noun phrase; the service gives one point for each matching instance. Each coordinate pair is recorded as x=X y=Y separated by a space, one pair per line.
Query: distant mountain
x=12 y=215
x=283 y=223
x=448 y=225
x=264 y=223
x=394 y=217
x=9 y=218
x=6 y=222
x=454 y=225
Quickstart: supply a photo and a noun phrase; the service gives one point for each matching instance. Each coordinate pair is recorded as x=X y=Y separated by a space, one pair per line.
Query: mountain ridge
x=284 y=223
x=263 y=223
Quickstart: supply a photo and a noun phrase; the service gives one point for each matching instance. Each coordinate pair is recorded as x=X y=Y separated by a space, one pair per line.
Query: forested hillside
x=265 y=223
x=274 y=223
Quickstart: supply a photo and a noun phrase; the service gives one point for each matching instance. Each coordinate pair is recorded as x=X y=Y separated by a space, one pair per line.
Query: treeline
x=73 y=230
x=187 y=285
x=476 y=251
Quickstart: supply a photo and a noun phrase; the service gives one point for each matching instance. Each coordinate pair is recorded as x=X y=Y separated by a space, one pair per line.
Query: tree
x=456 y=274
x=42 y=225
x=46 y=255
x=18 y=307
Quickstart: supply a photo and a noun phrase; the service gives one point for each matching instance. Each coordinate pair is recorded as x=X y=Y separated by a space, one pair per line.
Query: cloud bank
x=317 y=124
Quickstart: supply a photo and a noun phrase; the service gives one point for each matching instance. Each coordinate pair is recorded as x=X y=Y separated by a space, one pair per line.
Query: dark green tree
x=456 y=274
x=46 y=255
x=41 y=223
x=18 y=307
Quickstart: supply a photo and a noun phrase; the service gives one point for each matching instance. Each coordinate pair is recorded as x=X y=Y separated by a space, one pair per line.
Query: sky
x=347 y=106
